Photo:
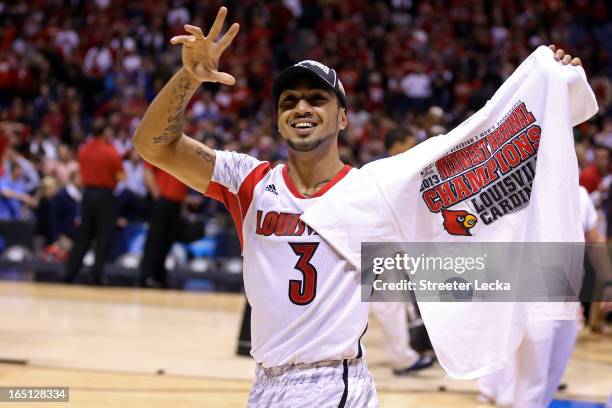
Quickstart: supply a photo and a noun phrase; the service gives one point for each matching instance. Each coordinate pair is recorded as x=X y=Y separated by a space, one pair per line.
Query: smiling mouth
x=303 y=125
x=303 y=128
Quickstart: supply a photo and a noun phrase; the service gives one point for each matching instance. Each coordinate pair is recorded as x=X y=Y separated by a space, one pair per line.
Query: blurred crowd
x=424 y=66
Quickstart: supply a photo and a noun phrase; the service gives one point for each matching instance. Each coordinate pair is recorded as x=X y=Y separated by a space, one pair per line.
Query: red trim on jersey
x=238 y=204
x=245 y=193
x=339 y=176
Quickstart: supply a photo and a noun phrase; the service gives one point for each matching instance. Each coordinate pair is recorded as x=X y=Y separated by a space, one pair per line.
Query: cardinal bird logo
x=458 y=222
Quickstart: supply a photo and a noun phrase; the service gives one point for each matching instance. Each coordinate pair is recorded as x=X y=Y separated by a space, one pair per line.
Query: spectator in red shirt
x=168 y=194
x=592 y=175
x=101 y=168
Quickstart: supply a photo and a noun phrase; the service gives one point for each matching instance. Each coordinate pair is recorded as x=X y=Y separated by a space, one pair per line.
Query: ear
x=342 y=119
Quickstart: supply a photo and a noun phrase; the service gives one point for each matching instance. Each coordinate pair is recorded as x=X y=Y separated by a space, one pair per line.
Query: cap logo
x=324 y=68
x=314 y=69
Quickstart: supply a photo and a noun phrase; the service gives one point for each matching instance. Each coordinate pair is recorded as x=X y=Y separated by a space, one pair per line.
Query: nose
x=302 y=108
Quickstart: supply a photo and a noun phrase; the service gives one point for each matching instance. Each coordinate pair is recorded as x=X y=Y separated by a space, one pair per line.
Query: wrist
x=192 y=78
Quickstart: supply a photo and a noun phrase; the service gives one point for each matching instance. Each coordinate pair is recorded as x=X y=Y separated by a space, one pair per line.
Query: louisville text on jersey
x=281 y=224
x=495 y=172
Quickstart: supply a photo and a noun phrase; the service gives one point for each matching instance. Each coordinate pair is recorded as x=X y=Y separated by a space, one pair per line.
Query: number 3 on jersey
x=303 y=292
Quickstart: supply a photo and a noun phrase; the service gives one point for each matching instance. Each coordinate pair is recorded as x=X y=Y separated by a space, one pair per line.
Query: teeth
x=303 y=125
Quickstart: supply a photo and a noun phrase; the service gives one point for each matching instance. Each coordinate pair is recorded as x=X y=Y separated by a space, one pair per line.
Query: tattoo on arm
x=209 y=157
x=176 y=110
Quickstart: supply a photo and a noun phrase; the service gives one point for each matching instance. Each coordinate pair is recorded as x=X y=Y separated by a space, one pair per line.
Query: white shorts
x=341 y=383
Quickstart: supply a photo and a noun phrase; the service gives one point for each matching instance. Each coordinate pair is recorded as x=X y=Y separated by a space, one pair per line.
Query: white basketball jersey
x=305 y=298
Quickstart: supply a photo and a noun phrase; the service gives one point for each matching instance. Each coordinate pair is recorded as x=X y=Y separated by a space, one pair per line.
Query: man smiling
x=307 y=313
x=306 y=118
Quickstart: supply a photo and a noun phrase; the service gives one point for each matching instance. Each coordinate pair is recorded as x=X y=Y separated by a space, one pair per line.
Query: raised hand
x=564 y=58
x=201 y=53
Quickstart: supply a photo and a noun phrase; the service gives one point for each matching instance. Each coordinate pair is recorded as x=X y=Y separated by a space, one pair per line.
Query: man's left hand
x=564 y=58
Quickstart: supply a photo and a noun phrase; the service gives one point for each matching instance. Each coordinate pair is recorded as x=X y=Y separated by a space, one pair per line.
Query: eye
x=317 y=99
x=288 y=102
x=461 y=218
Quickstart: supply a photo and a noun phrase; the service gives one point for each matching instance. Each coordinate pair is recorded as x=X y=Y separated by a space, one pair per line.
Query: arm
x=30 y=174
x=599 y=258
x=119 y=170
x=23 y=197
x=159 y=138
x=593 y=236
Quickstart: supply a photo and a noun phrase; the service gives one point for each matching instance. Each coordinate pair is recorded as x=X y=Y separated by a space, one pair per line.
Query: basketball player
x=307 y=315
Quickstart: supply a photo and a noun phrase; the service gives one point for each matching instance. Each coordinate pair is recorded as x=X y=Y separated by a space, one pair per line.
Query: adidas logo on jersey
x=271 y=188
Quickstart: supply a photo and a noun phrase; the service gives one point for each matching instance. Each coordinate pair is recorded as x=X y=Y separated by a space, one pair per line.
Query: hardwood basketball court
x=120 y=347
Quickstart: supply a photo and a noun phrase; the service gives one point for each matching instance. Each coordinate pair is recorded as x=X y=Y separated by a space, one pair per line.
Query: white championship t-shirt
x=485 y=169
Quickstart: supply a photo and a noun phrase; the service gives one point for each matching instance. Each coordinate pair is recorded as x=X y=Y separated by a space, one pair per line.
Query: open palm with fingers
x=201 y=53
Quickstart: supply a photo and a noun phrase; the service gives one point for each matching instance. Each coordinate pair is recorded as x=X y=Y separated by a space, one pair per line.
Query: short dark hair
x=98 y=127
x=397 y=135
